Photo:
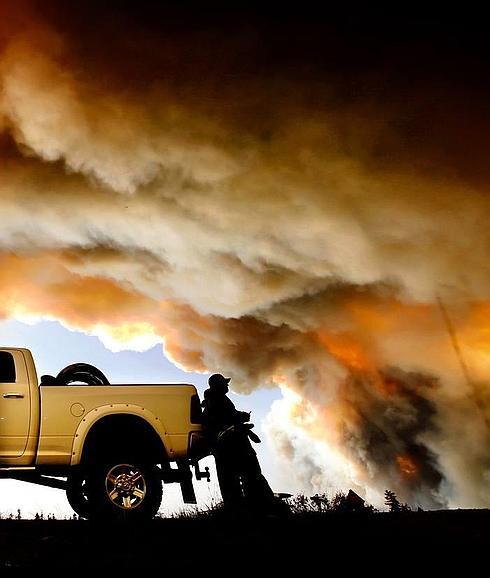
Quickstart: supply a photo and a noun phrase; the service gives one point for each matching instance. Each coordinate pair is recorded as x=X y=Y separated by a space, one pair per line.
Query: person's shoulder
x=212 y=396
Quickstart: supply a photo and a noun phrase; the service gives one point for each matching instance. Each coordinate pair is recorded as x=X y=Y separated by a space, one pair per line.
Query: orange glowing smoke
x=348 y=352
x=303 y=237
x=356 y=359
x=406 y=465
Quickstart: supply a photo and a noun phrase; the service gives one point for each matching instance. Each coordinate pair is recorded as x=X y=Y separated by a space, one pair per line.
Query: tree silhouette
x=392 y=501
x=321 y=502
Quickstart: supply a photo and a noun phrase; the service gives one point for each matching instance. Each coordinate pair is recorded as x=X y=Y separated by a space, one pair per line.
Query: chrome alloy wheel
x=125 y=486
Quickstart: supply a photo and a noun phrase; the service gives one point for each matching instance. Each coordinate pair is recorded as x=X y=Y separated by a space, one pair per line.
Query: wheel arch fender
x=98 y=414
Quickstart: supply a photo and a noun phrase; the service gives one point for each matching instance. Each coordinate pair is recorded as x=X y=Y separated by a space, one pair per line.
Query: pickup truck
x=108 y=446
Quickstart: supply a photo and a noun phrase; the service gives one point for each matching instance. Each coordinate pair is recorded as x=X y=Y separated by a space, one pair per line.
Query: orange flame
x=349 y=352
x=356 y=359
x=406 y=465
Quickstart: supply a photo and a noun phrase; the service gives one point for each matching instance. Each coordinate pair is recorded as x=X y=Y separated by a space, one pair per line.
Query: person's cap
x=217 y=379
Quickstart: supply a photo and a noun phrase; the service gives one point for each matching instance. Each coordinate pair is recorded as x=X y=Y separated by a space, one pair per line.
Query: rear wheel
x=124 y=490
x=77 y=493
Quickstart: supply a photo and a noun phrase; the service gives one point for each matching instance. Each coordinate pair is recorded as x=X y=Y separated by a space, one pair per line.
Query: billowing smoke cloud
x=285 y=203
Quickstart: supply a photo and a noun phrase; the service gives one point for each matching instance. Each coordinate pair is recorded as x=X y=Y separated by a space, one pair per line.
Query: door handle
x=13 y=395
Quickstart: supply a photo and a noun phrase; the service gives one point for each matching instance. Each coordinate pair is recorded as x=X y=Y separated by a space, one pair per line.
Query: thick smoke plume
x=281 y=197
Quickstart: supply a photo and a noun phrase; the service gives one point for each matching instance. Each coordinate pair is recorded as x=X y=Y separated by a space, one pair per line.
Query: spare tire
x=83 y=372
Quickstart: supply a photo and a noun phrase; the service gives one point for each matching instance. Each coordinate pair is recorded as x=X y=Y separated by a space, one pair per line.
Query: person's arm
x=231 y=415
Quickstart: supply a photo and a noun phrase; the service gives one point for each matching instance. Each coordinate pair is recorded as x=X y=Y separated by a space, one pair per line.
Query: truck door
x=14 y=404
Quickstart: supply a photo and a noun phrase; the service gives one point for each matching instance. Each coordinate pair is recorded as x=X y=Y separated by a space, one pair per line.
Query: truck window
x=7 y=367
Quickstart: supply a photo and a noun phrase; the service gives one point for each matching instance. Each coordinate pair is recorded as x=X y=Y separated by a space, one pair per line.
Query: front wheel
x=125 y=490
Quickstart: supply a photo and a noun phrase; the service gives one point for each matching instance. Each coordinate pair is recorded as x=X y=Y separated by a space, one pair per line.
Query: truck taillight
x=196 y=413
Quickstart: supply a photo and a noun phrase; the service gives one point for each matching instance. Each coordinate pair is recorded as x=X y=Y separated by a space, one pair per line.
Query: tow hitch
x=183 y=475
x=201 y=474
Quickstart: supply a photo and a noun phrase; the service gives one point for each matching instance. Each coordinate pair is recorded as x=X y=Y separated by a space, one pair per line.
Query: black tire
x=125 y=490
x=77 y=494
x=83 y=372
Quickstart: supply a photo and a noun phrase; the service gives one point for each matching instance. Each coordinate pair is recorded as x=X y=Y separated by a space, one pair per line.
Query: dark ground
x=411 y=539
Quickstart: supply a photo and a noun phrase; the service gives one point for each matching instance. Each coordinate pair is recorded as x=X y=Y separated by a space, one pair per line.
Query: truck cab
x=19 y=425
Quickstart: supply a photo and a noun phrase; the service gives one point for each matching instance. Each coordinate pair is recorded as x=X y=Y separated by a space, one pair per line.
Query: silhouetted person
x=239 y=475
